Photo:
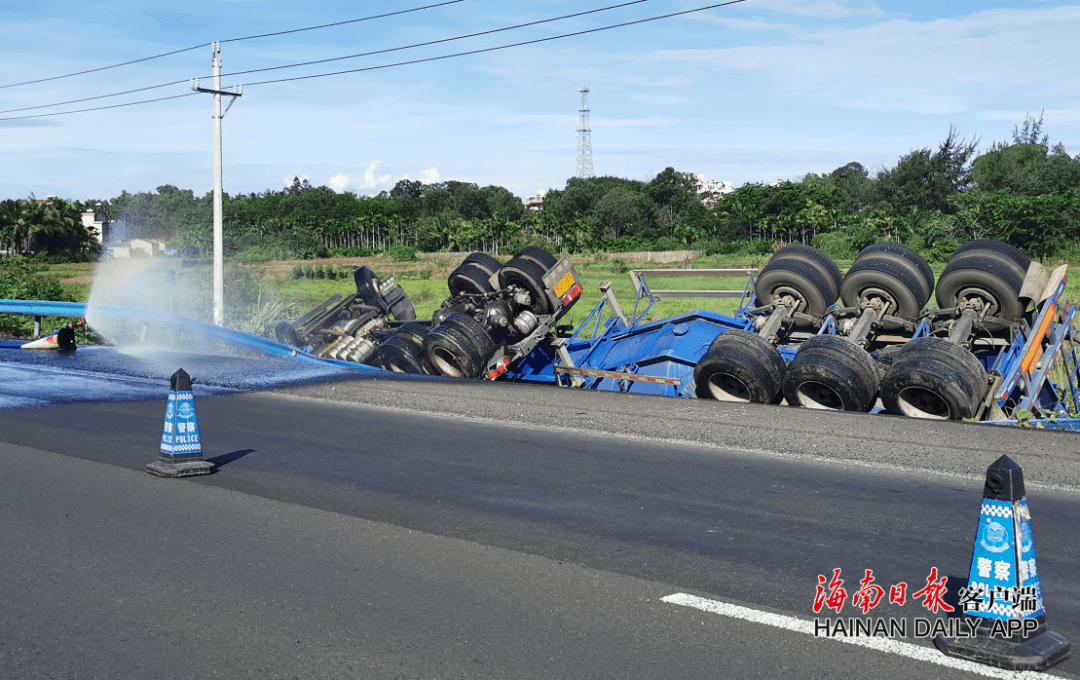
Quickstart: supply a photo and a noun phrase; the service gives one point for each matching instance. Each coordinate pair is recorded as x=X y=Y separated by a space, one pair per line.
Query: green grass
x=71 y=269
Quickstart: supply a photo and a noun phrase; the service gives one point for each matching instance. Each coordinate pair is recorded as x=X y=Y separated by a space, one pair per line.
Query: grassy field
x=425 y=282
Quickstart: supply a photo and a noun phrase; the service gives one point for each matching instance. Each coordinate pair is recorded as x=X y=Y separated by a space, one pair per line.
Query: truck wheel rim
x=819 y=396
x=726 y=387
x=919 y=402
x=446 y=362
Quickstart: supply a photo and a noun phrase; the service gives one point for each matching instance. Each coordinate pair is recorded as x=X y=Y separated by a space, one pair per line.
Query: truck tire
x=541 y=257
x=469 y=279
x=484 y=261
x=451 y=354
x=740 y=366
x=830 y=373
x=413 y=332
x=906 y=256
x=475 y=331
x=1005 y=250
x=525 y=273
x=367 y=286
x=879 y=277
x=935 y=379
x=400 y=355
x=814 y=257
x=795 y=279
x=975 y=276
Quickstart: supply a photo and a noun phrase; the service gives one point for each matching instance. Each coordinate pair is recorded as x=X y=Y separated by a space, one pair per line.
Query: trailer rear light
x=572 y=295
x=501 y=370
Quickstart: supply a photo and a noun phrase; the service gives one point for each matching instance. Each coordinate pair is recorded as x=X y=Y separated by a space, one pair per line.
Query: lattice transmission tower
x=584 y=147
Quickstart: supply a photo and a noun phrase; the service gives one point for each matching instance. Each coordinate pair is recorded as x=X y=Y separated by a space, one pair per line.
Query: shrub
x=836 y=245
x=24 y=279
x=667 y=243
x=760 y=248
x=402 y=253
x=943 y=250
x=298 y=272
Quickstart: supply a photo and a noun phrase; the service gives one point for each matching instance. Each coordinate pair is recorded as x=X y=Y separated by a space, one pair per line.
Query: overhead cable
x=500 y=47
x=250 y=37
x=415 y=61
x=323 y=61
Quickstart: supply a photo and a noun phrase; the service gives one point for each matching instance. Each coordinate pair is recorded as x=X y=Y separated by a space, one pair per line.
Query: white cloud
x=371 y=180
x=430 y=176
x=338 y=182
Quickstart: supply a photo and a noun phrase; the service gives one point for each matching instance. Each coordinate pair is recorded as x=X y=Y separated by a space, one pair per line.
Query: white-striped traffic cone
x=181 y=446
x=1003 y=595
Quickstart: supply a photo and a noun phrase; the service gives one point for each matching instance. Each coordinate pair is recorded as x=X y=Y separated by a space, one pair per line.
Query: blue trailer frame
x=629 y=354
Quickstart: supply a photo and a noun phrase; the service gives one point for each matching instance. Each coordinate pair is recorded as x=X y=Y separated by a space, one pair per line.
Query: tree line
x=1023 y=191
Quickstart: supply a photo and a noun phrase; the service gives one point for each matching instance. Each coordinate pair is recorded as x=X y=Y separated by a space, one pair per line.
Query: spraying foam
x=155 y=284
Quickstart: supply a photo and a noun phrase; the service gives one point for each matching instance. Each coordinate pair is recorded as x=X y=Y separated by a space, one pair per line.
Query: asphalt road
x=426 y=528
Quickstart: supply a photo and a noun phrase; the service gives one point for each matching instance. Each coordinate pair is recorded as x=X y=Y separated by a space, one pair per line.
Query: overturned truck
x=497 y=315
x=996 y=348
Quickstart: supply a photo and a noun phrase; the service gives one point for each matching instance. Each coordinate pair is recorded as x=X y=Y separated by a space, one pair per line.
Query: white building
x=712 y=191
x=95 y=222
x=535 y=202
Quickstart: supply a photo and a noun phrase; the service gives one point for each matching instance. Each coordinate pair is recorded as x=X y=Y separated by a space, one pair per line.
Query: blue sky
x=757 y=91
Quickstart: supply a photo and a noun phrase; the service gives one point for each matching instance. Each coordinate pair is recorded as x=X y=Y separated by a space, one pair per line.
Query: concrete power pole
x=584 y=149
x=219 y=265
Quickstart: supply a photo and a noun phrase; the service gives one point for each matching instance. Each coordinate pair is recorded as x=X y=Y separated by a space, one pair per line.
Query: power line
x=100 y=96
x=414 y=61
x=105 y=68
x=437 y=42
x=350 y=56
x=101 y=108
x=250 y=37
x=500 y=47
x=342 y=23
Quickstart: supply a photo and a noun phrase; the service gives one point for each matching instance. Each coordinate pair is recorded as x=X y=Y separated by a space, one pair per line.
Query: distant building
x=95 y=222
x=535 y=202
x=136 y=247
x=146 y=247
x=712 y=191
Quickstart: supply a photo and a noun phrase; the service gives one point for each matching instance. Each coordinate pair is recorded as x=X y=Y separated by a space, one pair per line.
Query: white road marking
x=912 y=651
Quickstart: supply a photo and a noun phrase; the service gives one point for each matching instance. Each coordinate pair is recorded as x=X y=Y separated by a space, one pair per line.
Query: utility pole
x=219 y=265
x=584 y=149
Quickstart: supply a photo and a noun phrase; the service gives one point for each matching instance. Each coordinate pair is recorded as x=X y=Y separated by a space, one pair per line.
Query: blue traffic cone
x=1003 y=601
x=181 y=448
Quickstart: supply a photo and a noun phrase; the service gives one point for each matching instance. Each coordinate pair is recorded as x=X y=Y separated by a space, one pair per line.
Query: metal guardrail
x=637 y=275
x=40 y=308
